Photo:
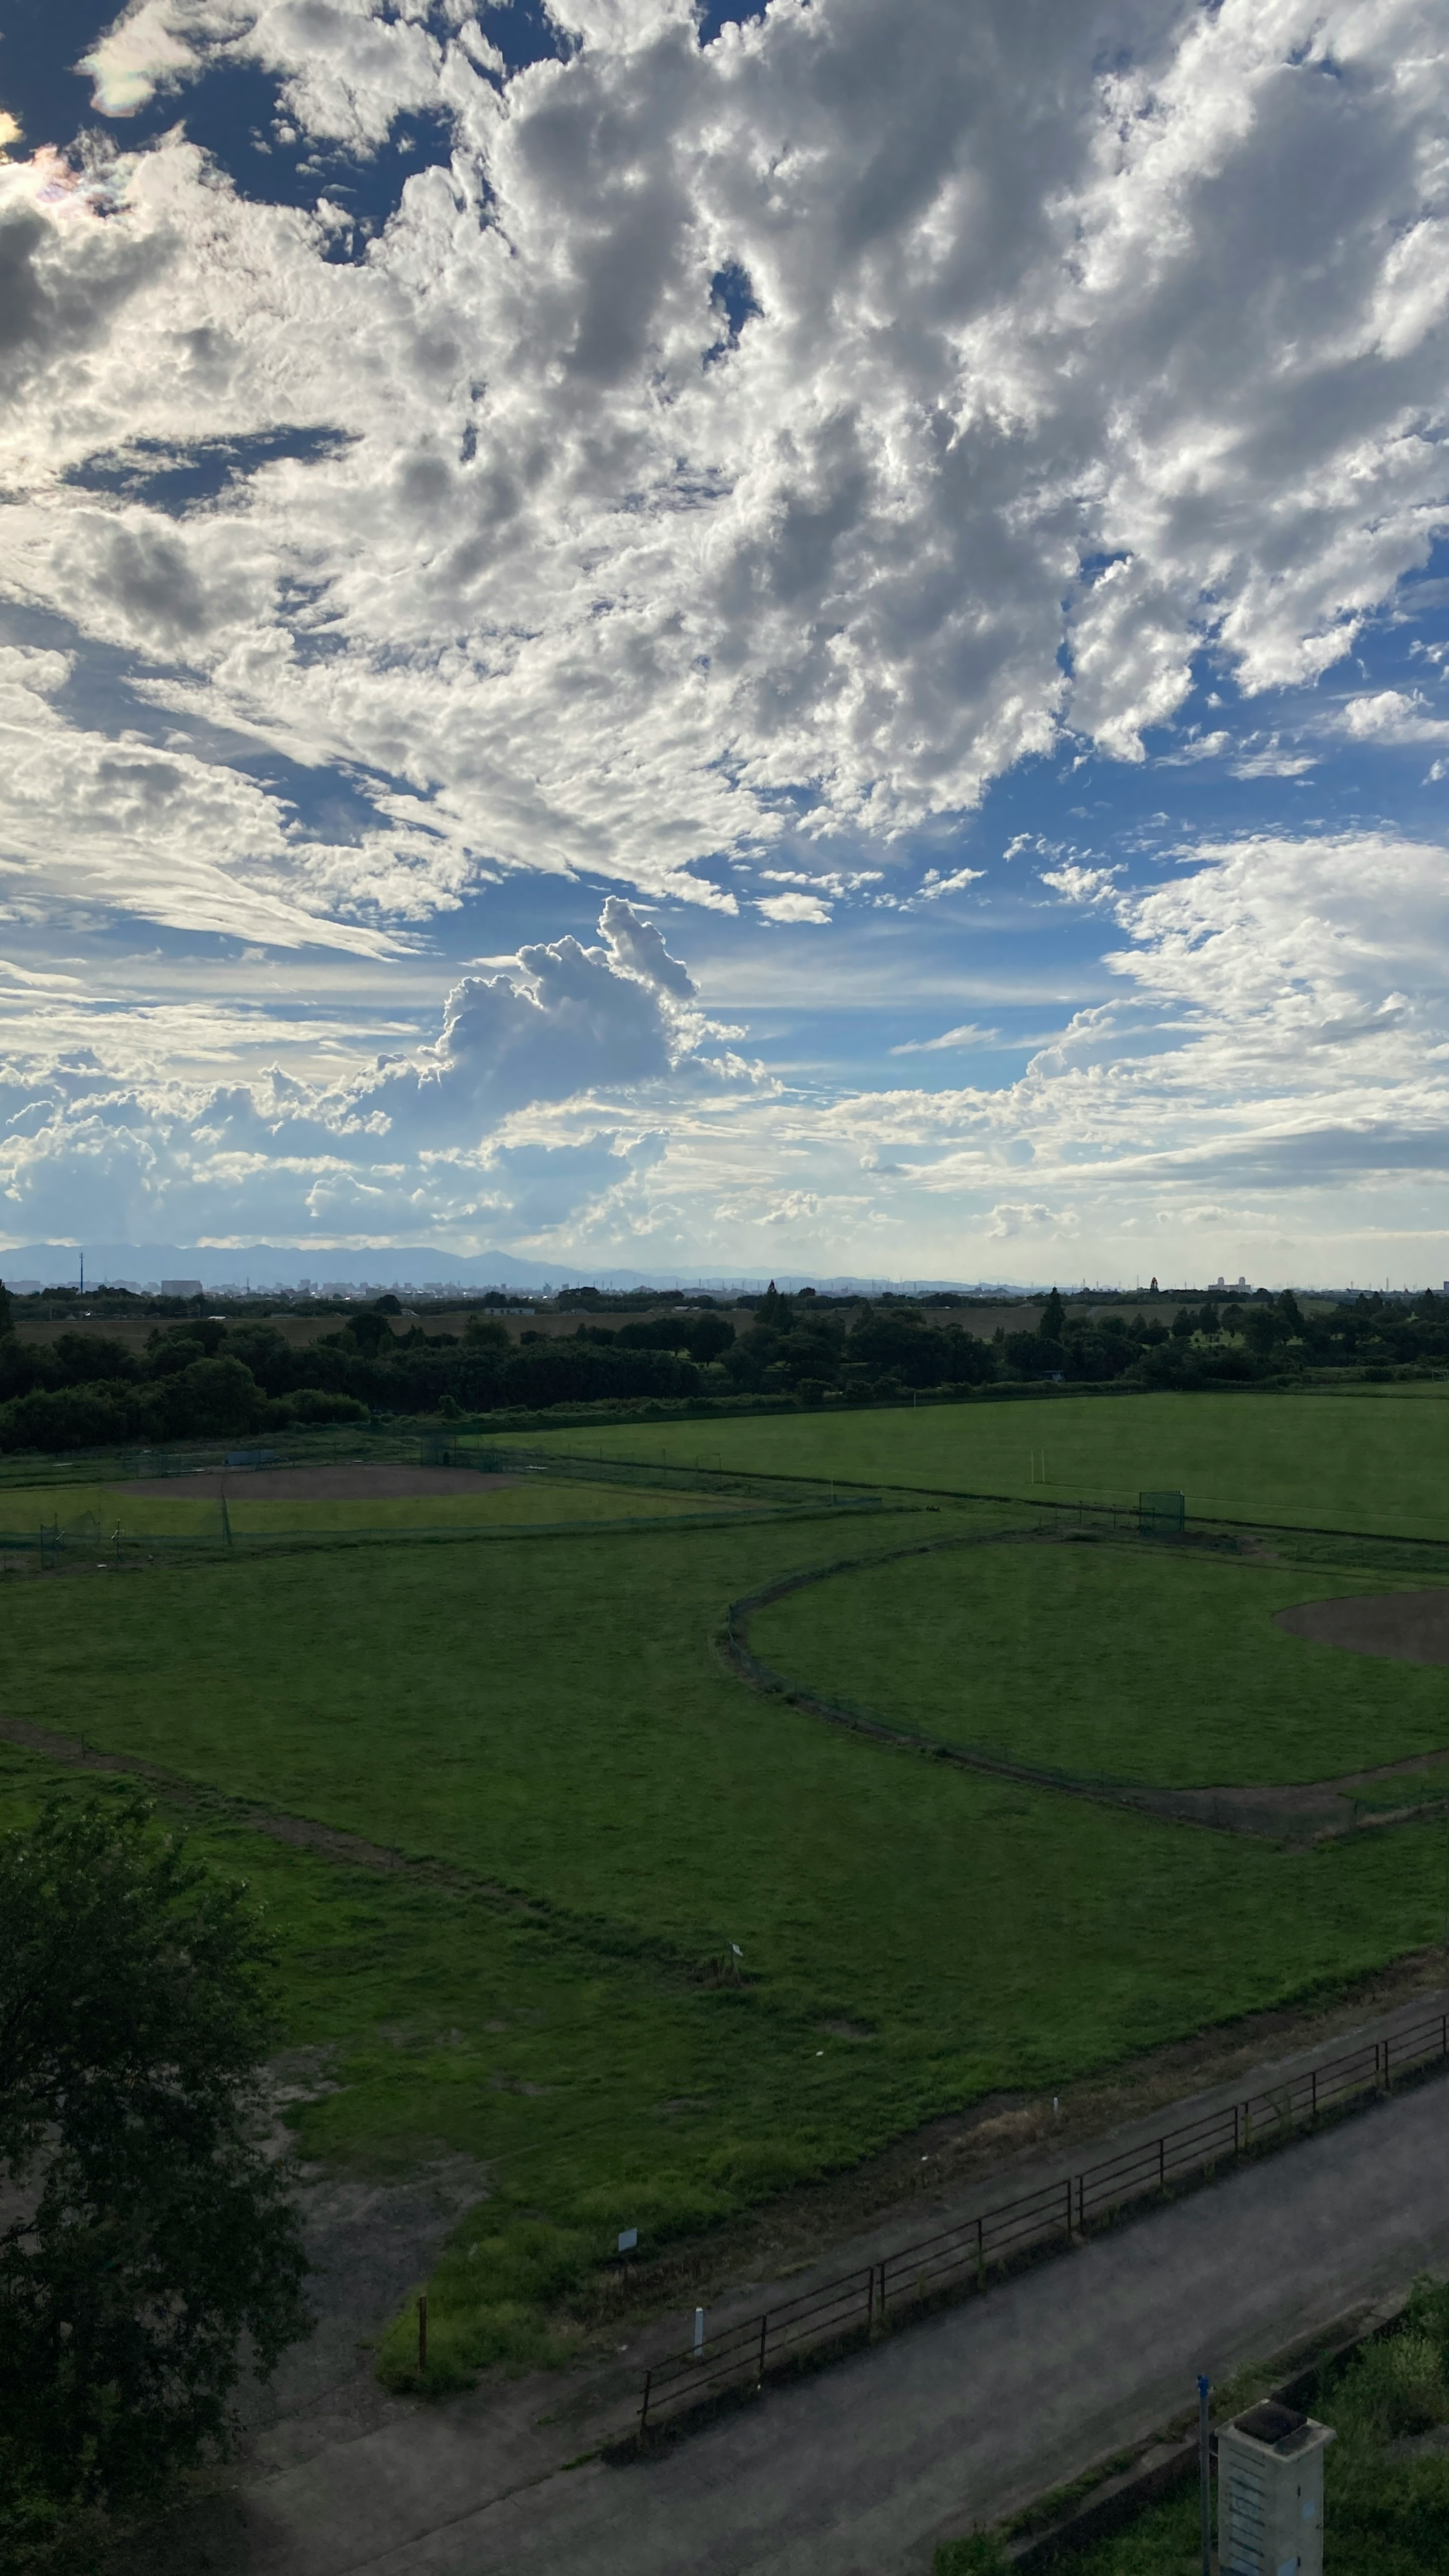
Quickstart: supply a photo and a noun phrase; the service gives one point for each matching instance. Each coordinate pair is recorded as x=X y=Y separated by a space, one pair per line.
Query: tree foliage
x=154 y=2240
x=203 y=1378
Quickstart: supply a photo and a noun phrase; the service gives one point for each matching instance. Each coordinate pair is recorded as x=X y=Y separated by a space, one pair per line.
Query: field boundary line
x=963 y=2259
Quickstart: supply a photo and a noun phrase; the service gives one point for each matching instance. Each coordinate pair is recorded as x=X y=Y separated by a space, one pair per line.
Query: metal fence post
x=644 y=2409
x=764 y=2329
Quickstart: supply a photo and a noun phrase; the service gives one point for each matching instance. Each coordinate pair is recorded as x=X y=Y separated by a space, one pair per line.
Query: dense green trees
x=214 y=1380
x=150 y=2239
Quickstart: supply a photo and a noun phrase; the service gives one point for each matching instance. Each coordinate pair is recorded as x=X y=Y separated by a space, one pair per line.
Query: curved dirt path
x=1290 y=1812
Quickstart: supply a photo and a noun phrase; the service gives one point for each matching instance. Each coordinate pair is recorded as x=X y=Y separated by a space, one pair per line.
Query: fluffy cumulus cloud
x=1281 y=1029
x=417 y=1134
x=723 y=451
x=1026 y=402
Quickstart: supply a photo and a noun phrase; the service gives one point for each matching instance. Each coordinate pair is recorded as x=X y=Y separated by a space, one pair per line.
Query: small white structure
x=1270 y=2493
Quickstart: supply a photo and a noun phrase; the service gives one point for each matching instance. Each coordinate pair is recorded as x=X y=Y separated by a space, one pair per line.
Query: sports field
x=1140 y=1663
x=569 y=1807
x=1375 y=1459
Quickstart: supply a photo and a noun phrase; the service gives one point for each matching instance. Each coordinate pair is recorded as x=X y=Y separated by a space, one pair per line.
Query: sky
x=810 y=641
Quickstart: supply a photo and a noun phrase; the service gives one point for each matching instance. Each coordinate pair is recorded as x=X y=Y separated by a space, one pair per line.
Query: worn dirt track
x=349 y=1481
x=1406 y=1627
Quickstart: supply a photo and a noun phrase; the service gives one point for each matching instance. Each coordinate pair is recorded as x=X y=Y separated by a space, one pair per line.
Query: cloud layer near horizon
x=1284 y=1026
x=723 y=450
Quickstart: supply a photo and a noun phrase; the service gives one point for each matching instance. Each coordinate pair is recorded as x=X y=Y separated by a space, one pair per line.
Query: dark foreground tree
x=149 y=2249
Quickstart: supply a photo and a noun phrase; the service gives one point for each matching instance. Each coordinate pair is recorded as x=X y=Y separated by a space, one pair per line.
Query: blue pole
x=1204 y=2458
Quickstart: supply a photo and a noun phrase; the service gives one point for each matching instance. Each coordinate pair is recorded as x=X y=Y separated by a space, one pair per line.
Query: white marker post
x=699 y=2334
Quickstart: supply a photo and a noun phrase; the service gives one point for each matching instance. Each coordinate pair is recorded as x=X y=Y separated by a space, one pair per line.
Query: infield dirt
x=1408 y=1627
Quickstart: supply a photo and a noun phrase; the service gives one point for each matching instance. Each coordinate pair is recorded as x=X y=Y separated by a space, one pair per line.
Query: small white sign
x=628 y=2239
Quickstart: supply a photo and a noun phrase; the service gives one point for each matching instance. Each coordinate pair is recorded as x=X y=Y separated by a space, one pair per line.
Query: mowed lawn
x=553 y=1718
x=1375 y=1460
x=1138 y=1663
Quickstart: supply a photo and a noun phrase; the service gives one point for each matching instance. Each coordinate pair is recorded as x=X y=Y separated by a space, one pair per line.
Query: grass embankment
x=553 y=1720
x=1385 y=2478
x=1372 y=1460
x=1138 y=1663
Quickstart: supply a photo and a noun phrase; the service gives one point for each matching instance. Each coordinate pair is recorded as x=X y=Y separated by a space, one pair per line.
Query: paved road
x=859 y=2471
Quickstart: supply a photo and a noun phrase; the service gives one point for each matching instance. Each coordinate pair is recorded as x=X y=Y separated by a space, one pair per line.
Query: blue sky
x=815 y=642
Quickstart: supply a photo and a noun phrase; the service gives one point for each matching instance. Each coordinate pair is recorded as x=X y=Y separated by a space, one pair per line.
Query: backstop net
x=1161 y=1514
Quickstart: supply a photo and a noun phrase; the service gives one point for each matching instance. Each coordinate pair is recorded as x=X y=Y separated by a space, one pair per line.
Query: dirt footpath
x=350 y=1481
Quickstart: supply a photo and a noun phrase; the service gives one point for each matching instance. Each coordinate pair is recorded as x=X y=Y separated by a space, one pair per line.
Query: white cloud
x=1393 y=716
x=1078 y=884
x=836 y=882
x=559 y=564
x=1012 y=1217
x=1272 y=760
x=1278 y=1046
x=934 y=884
x=793 y=907
x=967 y=1035
x=1077 y=349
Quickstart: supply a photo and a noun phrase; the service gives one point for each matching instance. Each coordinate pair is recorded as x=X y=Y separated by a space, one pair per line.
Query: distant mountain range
x=419 y=1267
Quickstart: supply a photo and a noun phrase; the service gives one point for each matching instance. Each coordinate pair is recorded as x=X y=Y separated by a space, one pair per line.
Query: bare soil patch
x=1409 y=1627
x=350 y=1481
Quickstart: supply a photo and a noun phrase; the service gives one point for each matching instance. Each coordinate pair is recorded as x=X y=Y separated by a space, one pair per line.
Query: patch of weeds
x=493 y=2301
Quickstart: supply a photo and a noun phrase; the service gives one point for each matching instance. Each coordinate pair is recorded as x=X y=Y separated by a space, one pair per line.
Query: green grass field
x=596 y=1807
x=553 y=1719
x=1138 y=1663
x=101 y=1509
x=1372 y=1460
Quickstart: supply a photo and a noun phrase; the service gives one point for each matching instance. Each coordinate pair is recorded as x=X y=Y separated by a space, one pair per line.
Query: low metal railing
x=961 y=2257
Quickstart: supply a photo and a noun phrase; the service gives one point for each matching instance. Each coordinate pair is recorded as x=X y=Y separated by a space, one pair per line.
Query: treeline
x=204 y=1379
